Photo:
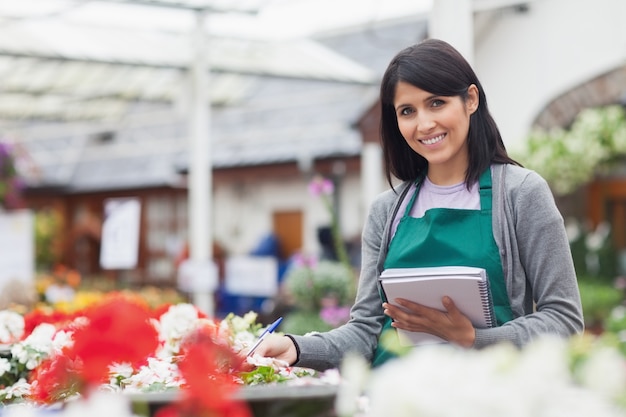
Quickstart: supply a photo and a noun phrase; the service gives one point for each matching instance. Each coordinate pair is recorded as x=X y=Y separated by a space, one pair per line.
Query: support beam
x=453 y=22
x=201 y=270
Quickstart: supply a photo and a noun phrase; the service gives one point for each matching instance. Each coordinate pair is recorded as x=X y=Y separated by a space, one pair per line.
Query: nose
x=425 y=123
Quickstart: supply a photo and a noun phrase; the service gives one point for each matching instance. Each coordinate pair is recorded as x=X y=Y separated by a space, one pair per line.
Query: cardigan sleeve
x=538 y=265
x=326 y=350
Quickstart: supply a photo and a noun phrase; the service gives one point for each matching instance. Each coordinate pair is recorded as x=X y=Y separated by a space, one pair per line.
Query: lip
x=431 y=140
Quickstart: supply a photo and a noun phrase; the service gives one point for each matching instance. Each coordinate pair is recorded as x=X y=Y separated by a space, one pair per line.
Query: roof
x=97 y=78
x=56 y=64
x=274 y=120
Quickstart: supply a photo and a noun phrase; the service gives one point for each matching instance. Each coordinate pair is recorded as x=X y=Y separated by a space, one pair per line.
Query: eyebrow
x=427 y=99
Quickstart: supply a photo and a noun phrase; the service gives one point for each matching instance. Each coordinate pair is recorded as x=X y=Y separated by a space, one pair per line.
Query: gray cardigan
x=536 y=258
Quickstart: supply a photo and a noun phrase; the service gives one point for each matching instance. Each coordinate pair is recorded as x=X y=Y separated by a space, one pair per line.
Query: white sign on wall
x=252 y=276
x=17 y=247
x=120 y=233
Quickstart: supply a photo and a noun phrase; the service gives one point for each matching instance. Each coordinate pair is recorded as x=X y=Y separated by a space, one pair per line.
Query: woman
x=463 y=201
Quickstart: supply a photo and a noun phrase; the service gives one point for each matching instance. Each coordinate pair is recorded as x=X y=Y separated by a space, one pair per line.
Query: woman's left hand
x=450 y=325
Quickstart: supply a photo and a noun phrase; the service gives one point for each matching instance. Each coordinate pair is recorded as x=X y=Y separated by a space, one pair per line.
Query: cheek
x=405 y=129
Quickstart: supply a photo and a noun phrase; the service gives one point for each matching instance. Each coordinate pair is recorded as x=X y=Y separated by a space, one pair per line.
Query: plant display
x=550 y=377
x=598 y=301
x=323 y=188
x=53 y=357
x=78 y=359
x=570 y=158
x=48 y=238
x=321 y=293
x=11 y=184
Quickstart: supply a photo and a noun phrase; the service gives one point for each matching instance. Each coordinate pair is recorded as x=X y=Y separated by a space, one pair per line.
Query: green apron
x=446 y=237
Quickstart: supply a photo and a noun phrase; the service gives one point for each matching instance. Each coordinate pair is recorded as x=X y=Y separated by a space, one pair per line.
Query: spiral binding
x=487 y=302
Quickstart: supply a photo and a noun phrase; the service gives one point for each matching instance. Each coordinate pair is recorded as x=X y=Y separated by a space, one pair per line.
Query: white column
x=453 y=21
x=201 y=271
x=371 y=173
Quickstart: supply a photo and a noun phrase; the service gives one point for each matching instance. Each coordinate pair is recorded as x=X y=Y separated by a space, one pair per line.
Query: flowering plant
x=568 y=159
x=10 y=183
x=48 y=237
x=550 y=377
x=58 y=285
x=324 y=188
x=321 y=292
x=174 y=347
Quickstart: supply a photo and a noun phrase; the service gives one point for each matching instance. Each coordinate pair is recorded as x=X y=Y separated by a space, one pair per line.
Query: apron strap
x=407 y=210
x=485 y=190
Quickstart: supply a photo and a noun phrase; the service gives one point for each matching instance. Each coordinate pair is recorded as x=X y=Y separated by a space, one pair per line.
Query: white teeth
x=433 y=140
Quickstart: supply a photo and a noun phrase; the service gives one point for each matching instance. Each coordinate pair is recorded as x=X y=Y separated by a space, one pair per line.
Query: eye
x=405 y=111
x=437 y=103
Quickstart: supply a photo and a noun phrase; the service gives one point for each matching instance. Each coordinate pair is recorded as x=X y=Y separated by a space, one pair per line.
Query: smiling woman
x=464 y=202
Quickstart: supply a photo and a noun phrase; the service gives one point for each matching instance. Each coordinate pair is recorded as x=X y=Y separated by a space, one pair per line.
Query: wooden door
x=288 y=229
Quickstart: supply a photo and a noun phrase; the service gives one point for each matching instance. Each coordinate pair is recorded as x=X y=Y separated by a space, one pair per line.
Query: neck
x=445 y=177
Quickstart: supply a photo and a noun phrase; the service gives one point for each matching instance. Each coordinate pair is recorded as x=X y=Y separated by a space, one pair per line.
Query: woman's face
x=436 y=127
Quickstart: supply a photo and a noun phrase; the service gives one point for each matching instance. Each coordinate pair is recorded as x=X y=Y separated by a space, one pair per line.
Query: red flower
x=119 y=331
x=37 y=317
x=168 y=411
x=55 y=380
x=208 y=369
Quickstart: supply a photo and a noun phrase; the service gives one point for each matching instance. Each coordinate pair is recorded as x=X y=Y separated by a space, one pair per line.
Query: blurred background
x=209 y=150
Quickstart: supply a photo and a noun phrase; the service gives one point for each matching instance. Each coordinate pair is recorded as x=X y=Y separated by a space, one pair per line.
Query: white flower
x=157 y=371
x=119 y=372
x=18 y=390
x=242 y=324
x=62 y=339
x=175 y=324
x=37 y=346
x=354 y=373
x=11 y=326
x=41 y=338
x=238 y=331
x=5 y=366
x=572 y=228
x=604 y=372
x=178 y=320
x=596 y=239
x=443 y=381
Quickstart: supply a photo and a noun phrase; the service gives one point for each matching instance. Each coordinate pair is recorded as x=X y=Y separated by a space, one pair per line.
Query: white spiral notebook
x=467 y=286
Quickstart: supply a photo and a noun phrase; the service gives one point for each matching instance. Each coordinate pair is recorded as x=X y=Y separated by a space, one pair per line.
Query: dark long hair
x=435 y=66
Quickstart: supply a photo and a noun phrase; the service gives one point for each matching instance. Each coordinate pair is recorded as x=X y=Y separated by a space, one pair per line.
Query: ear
x=472 y=100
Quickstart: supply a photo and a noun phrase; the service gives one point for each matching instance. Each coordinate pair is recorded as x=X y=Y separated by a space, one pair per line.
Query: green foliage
x=570 y=158
x=312 y=286
x=598 y=300
x=10 y=182
x=302 y=322
x=267 y=374
x=615 y=323
x=48 y=232
x=593 y=251
x=262 y=375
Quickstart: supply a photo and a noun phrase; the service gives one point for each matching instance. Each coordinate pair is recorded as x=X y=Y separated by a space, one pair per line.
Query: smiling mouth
x=434 y=140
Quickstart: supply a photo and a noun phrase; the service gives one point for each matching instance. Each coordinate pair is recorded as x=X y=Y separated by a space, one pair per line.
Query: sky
x=275 y=19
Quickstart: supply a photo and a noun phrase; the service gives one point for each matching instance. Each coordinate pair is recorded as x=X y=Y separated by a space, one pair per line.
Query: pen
x=270 y=329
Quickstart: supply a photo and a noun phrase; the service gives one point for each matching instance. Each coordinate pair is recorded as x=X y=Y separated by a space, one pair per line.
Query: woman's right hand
x=279 y=347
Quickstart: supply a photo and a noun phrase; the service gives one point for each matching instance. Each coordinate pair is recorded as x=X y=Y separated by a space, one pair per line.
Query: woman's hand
x=279 y=347
x=450 y=325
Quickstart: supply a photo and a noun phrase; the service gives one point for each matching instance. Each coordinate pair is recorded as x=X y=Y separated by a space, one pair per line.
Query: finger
x=450 y=307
